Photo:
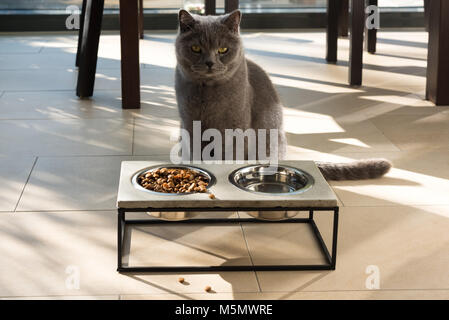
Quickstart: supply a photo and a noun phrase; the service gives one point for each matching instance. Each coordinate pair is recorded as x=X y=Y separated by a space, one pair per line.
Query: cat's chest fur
x=222 y=106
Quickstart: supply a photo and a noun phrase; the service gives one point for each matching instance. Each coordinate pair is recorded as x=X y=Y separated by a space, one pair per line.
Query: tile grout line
x=65 y=210
x=249 y=254
x=338 y=197
x=26 y=183
x=386 y=138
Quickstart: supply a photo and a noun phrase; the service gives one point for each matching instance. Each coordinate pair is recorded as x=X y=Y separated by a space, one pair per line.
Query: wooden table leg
x=371 y=34
x=80 y=32
x=426 y=14
x=343 y=18
x=231 y=5
x=332 y=30
x=129 y=40
x=438 y=53
x=357 y=25
x=89 y=48
x=141 y=19
x=209 y=7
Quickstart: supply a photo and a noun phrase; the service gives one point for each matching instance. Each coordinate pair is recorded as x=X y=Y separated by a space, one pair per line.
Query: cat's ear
x=232 y=20
x=186 y=21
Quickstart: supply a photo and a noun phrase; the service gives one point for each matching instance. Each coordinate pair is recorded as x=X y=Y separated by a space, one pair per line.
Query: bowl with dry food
x=272 y=181
x=179 y=180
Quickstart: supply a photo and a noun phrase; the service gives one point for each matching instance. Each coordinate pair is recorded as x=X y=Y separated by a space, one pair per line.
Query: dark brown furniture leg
x=332 y=30
x=231 y=5
x=343 y=18
x=89 y=48
x=426 y=14
x=209 y=7
x=357 y=25
x=141 y=19
x=129 y=40
x=371 y=34
x=437 y=89
x=80 y=32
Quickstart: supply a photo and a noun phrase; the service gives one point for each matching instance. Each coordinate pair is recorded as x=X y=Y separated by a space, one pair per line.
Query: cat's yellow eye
x=222 y=50
x=196 y=49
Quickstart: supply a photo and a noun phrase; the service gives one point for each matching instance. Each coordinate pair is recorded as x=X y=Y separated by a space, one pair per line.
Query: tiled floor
x=60 y=159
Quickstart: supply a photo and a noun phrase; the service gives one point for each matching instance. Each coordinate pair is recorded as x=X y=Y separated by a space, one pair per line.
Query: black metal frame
x=331 y=258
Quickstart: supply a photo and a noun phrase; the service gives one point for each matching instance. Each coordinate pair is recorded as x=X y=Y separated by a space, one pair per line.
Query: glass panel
x=176 y=4
x=63 y=4
x=401 y=3
x=38 y=4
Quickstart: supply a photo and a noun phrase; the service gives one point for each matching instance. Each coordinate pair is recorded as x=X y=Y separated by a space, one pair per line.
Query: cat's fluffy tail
x=356 y=170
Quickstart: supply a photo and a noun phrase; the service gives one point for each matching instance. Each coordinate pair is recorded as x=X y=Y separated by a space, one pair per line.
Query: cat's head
x=209 y=47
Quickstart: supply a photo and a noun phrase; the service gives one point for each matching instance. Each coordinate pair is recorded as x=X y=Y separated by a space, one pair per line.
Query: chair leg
x=129 y=43
x=231 y=5
x=357 y=25
x=343 y=18
x=426 y=13
x=89 y=48
x=80 y=32
x=209 y=7
x=141 y=19
x=371 y=34
x=437 y=89
x=332 y=30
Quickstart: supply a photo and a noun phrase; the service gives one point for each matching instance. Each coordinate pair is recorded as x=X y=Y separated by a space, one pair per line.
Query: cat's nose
x=209 y=64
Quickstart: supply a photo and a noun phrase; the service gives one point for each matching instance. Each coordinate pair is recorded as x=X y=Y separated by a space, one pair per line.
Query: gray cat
x=217 y=85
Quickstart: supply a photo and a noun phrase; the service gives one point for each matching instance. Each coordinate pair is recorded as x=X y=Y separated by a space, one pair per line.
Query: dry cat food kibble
x=174 y=180
x=181 y=280
x=212 y=196
x=208 y=288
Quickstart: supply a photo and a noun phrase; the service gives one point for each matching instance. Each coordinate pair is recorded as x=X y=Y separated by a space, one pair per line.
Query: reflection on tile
x=69 y=253
x=363 y=104
x=71 y=244
x=156 y=103
x=21 y=45
x=60 y=105
x=152 y=137
x=66 y=137
x=324 y=134
x=398 y=243
x=110 y=297
x=417 y=178
x=74 y=183
x=326 y=295
x=284 y=244
x=187 y=245
x=36 y=61
x=411 y=132
x=79 y=183
x=221 y=283
x=36 y=80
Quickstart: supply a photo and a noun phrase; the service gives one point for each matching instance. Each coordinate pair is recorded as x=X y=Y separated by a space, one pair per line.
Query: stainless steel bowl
x=272 y=181
x=171 y=216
